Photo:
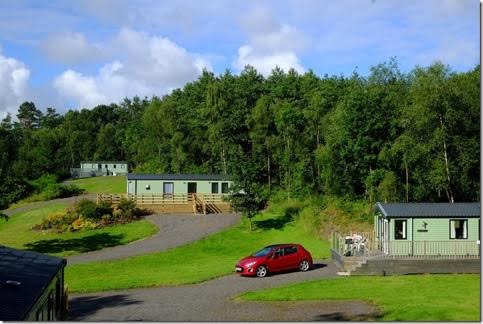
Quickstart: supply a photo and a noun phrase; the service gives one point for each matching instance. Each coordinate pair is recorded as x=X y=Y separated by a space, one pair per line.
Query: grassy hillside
x=17 y=233
x=106 y=184
x=402 y=298
x=208 y=258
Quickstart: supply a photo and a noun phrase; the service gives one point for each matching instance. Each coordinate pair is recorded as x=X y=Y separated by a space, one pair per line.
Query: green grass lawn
x=108 y=184
x=205 y=259
x=17 y=233
x=402 y=298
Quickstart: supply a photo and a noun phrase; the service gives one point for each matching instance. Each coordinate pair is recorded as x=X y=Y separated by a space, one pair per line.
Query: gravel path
x=174 y=230
x=213 y=301
x=39 y=204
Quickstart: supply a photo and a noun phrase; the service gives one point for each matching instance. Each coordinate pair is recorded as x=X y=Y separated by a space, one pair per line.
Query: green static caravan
x=169 y=184
x=428 y=229
x=99 y=168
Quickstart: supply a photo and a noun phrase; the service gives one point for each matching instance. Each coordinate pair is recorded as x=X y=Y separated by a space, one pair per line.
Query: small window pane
x=400 y=229
x=114 y=166
x=214 y=187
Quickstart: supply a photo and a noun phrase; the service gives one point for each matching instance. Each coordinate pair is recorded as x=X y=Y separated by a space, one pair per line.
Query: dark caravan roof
x=394 y=210
x=24 y=275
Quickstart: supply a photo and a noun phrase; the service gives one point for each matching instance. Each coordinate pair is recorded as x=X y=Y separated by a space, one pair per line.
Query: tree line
x=390 y=136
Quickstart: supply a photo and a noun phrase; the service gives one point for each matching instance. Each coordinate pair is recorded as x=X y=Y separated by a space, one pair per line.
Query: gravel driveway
x=213 y=301
x=174 y=230
x=39 y=204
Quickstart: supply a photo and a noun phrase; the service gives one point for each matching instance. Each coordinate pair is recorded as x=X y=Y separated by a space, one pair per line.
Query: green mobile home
x=427 y=228
x=413 y=238
x=169 y=184
x=99 y=168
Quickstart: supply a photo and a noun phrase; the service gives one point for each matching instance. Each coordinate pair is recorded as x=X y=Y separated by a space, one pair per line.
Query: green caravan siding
x=433 y=238
x=180 y=187
x=438 y=229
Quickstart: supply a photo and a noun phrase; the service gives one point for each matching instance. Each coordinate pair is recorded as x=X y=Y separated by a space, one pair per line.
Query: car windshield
x=263 y=252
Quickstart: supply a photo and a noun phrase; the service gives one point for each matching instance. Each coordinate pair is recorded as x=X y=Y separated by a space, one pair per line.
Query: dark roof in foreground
x=174 y=177
x=33 y=270
x=469 y=209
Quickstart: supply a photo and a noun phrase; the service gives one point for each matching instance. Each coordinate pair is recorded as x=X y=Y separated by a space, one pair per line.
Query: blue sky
x=77 y=54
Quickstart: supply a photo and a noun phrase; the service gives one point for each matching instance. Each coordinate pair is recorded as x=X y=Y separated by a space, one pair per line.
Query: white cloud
x=70 y=48
x=148 y=65
x=14 y=77
x=270 y=44
x=265 y=63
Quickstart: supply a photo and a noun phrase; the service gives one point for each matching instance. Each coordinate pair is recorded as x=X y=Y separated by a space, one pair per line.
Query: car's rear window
x=290 y=250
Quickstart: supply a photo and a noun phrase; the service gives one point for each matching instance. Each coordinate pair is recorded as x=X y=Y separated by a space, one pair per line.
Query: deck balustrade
x=369 y=248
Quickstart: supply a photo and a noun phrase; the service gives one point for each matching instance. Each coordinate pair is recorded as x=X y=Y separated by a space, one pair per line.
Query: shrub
x=86 y=214
x=80 y=224
x=57 y=221
x=104 y=208
x=46 y=180
x=126 y=208
x=87 y=209
x=4 y=216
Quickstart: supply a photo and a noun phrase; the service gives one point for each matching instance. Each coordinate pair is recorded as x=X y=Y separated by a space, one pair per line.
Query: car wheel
x=304 y=265
x=262 y=271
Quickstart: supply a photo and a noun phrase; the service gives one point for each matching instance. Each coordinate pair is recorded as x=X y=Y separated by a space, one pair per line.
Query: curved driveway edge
x=213 y=301
x=174 y=230
x=39 y=204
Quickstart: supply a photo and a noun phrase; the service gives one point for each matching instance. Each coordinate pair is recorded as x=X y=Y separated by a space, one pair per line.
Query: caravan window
x=224 y=187
x=458 y=229
x=400 y=229
x=168 y=188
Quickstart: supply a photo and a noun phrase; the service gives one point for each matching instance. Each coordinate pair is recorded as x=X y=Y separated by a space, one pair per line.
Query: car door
x=290 y=257
x=275 y=263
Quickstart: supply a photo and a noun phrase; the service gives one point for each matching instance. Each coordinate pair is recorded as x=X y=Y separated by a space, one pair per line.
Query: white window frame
x=405 y=229
x=452 y=229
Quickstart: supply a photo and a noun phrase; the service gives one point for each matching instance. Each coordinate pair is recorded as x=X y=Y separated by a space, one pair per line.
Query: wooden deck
x=175 y=203
x=374 y=257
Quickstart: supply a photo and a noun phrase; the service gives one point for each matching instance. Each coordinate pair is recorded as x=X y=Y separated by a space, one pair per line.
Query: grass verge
x=202 y=260
x=402 y=298
x=17 y=233
x=107 y=184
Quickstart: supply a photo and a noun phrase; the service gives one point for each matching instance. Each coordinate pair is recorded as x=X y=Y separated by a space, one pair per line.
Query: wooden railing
x=161 y=199
x=372 y=249
x=199 y=202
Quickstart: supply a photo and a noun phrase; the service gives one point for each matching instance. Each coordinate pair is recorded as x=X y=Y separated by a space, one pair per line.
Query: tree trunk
x=371 y=190
x=223 y=158
x=318 y=166
x=407 y=179
x=449 y=192
x=288 y=168
x=268 y=173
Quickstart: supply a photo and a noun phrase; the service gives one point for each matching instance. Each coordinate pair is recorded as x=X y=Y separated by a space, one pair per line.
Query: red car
x=274 y=258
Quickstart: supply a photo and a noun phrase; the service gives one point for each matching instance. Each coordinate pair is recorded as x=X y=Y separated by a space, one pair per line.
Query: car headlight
x=249 y=264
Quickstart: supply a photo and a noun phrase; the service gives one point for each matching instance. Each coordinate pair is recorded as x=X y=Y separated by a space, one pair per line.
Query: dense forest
x=390 y=136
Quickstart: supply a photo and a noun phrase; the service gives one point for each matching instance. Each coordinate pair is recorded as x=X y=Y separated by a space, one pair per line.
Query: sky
x=79 y=54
